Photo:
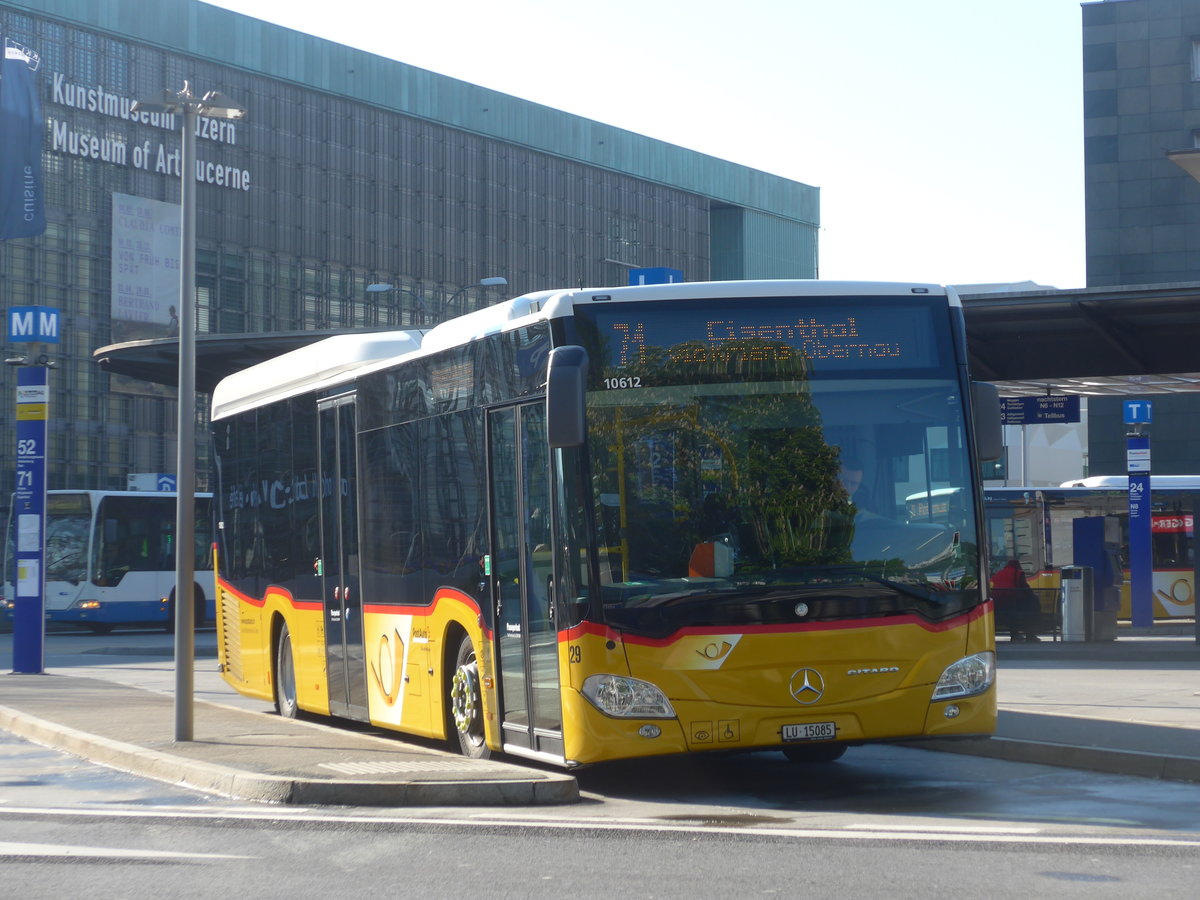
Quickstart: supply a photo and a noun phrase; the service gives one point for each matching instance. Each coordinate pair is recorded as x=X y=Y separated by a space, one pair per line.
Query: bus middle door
x=526 y=635
x=344 y=652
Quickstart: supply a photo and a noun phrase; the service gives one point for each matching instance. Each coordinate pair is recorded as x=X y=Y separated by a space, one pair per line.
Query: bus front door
x=341 y=597
x=526 y=636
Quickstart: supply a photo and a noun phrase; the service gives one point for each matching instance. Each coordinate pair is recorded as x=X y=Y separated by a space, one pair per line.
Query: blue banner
x=22 y=198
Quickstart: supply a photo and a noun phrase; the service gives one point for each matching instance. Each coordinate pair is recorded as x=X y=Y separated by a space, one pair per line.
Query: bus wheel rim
x=464 y=699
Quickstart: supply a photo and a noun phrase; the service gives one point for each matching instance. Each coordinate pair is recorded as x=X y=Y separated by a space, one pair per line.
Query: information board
x=1056 y=409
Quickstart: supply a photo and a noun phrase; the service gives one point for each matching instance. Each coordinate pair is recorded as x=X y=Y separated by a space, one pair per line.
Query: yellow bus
x=587 y=525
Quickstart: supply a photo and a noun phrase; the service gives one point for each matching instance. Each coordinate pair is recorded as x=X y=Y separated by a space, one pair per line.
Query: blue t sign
x=1138 y=412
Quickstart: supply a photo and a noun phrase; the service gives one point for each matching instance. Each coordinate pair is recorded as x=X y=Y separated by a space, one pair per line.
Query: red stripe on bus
x=427 y=610
x=442 y=593
x=847 y=625
x=272 y=591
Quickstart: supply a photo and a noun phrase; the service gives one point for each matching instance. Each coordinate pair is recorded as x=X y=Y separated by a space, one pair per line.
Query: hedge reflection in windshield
x=778 y=483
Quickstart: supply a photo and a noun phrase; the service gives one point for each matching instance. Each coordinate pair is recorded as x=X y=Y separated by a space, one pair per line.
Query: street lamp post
x=214 y=106
x=380 y=288
x=490 y=281
x=418 y=300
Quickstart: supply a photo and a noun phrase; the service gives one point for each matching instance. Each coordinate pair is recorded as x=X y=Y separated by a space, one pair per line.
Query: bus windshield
x=755 y=456
x=68 y=520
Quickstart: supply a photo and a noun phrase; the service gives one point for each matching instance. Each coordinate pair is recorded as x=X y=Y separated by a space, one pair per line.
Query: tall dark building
x=1141 y=83
x=349 y=170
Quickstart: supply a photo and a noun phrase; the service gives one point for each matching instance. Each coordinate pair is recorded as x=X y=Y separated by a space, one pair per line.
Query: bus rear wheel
x=466 y=702
x=814 y=753
x=285 y=676
x=197 y=615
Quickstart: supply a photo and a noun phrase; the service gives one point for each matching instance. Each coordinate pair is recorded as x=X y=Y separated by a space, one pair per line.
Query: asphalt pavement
x=1129 y=706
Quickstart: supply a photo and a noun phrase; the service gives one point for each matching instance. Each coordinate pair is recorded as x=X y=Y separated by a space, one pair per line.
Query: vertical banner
x=145 y=268
x=29 y=515
x=22 y=198
x=1141 y=570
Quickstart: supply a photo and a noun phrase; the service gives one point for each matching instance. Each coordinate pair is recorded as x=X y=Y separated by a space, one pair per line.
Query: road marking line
x=940 y=829
x=75 y=852
x=966 y=834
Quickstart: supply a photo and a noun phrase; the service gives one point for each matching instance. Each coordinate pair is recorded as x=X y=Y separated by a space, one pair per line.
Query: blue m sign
x=29 y=324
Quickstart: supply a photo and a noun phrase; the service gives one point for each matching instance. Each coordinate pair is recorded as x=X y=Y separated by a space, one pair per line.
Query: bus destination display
x=820 y=339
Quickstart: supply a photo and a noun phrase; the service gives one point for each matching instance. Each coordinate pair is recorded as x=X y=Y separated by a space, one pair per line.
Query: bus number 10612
x=625 y=381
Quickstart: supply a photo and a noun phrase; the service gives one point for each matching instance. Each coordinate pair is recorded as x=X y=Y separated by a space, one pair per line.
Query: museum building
x=349 y=170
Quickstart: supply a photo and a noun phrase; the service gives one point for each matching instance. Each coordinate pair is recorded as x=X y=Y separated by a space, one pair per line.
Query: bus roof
x=307 y=368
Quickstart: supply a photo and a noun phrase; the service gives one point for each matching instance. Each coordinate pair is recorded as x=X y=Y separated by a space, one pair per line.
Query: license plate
x=810 y=731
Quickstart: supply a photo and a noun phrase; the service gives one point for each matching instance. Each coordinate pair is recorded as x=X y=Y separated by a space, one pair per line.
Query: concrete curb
x=241 y=785
x=1070 y=756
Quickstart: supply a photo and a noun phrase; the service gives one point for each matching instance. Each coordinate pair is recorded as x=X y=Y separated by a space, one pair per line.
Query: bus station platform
x=259 y=755
x=1129 y=706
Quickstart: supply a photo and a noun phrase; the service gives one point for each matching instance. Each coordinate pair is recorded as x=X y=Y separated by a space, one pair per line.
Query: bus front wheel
x=466 y=702
x=285 y=676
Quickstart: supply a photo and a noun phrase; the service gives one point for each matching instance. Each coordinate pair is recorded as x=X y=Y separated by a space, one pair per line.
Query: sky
x=946 y=136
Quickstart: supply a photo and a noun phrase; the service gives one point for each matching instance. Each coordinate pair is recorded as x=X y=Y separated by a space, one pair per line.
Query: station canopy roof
x=1027 y=339
x=1090 y=341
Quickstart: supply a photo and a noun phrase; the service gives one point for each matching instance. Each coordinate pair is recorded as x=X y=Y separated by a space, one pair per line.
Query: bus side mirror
x=566 y=384
x=989 y=424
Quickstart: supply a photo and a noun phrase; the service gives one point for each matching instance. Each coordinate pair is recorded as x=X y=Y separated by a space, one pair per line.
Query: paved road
x=1126 y=708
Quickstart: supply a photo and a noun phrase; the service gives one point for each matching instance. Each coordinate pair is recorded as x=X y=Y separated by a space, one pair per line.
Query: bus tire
x=197 y=615
x=285 y=676
x=466 y=702
x=101 y=627
x=814 y=753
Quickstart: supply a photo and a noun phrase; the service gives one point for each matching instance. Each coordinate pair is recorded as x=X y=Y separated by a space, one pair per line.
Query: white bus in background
x=110 y=559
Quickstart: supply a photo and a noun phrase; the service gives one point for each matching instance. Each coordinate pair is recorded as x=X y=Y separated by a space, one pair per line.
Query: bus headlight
x=627 y=698
x=967 y=677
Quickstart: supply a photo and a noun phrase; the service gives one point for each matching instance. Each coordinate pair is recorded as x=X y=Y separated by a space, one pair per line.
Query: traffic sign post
x=1138 y=413
x=31 y=325
x=29 y=515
